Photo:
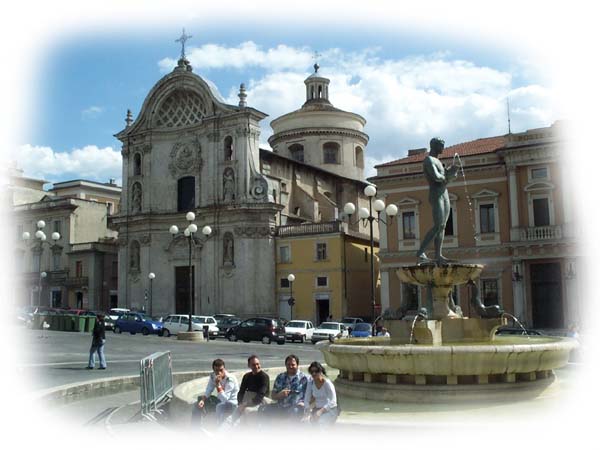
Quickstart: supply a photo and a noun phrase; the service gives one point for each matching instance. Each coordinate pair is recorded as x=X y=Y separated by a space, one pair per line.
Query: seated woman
x=320 y=400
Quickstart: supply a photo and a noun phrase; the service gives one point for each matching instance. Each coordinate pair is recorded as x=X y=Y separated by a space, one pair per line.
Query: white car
x=329 y=330
x=299 y=330
x=176 y=323
x=115 y=313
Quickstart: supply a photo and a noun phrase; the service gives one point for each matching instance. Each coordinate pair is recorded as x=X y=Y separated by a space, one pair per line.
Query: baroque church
x=188 y=152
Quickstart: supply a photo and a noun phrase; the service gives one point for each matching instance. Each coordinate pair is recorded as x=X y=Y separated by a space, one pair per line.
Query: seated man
x=288 y=390
x=225 y=401
x=254 y=387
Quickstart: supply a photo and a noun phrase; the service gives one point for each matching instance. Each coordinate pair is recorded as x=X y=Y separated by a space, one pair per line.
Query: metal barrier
x=156 y=382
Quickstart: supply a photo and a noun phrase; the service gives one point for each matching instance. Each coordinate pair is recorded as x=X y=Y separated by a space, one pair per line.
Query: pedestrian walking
x=98 y=341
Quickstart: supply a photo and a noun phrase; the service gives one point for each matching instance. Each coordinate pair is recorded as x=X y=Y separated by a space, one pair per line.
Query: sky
x=410 y=85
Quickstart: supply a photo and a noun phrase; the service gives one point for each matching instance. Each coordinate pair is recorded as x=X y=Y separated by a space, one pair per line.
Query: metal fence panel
x=156 y=382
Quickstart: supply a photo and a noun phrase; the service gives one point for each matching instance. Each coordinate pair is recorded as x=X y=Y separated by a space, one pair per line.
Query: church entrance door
x=182 y=289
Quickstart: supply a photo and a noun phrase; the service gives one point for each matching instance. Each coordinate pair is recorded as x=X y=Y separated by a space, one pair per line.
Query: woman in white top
x=320 y=400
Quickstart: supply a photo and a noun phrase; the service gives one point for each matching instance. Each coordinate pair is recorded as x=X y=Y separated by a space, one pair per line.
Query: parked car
x=109 y=323
x=350 y=322
x=299 y=330
x=361 y=329
x=221 y=317
x=137 y=323
x=329 y=330
x=115 y=313
x=263 y=329
x=176 y=323
x=226 y=324
x=518 y=331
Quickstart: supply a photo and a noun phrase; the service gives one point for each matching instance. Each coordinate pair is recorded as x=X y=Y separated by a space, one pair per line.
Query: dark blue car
x=361 y=330
x=137 y=323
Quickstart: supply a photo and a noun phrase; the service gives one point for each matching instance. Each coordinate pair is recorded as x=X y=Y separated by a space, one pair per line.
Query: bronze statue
x=438 y=176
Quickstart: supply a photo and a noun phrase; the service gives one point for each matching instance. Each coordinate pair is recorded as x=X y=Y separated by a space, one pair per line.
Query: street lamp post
x=151 y=277
x=42 y=239
x=365 y=215
x=189 y=232
x=291 y=277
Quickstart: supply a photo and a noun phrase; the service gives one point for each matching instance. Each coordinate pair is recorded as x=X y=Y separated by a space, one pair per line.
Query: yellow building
x=332 y=271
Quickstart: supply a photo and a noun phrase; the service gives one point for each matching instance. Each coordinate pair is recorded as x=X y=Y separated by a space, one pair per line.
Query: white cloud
x=92 y=112
x=89 y=162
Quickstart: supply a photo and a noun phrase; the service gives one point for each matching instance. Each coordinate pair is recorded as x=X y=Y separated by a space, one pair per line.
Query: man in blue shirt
x=288 y=390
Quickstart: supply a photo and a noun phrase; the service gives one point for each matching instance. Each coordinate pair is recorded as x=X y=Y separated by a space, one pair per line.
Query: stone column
x=514 y=203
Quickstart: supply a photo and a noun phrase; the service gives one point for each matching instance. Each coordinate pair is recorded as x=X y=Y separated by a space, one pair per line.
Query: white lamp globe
x=391 y=210
x=291 y=277
x=379 y=205
x=173 y=229
x=43 y=238
x=190 y=216
x=206 y=231
x=186 y=232
x=349 y=208
x=151 y=275
x=363 y=213
x=55 y=236
x=193 y=228
x=43 y=274
x=39 y=234
x=370 y=190
x=26 y=236
x=41 y=224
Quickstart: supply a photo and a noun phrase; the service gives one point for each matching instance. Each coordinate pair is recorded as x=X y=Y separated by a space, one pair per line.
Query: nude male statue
x=438 y=177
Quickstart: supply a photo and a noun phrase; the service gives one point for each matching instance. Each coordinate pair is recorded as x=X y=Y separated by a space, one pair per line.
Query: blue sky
x=409 y=85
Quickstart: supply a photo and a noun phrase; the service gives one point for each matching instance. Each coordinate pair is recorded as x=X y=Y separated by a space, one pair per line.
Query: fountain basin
x=507 y=361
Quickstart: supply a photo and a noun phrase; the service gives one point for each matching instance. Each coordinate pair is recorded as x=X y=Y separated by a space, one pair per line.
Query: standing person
x=438 y=178
x=254 y=387
x=98 y=341
x=227 y=389
x=288 y=390
x=321 y=392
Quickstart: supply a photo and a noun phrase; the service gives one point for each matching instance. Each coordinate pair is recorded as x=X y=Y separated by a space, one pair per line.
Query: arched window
x=359 y=157
x=297 y=152
x=134 y=256
x=137 y=164
x=228 y=148
x=320 y=91
x=331 y=153
x=186 y=194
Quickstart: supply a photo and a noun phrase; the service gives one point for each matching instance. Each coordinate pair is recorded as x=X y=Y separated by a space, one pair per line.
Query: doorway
x=182 y=289
x=546 y=295
x=79 y=297
x=322 y=310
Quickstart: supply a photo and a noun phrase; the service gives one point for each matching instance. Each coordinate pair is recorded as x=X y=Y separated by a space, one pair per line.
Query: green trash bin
x=60 y=322
x=79 y=323
x=42 y=318
x=90 y=321
x=69 y=322
x=35 y=323
x=51 y=321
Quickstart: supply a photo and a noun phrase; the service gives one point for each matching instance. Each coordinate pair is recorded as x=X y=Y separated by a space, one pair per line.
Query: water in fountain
x=412 y=328
x=515 y=320
x=470 y=203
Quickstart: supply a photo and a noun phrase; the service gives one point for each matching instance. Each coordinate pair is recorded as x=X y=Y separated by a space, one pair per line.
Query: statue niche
x=136 y=198
x=228 y=249
x=228 y=185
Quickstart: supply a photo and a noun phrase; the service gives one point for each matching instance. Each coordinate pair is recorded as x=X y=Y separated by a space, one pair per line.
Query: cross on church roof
x=316 y=56
x=184 y=37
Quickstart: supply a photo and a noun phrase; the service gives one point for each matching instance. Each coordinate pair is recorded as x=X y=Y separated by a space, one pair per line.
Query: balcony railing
x=550 y=232
x=311 y=228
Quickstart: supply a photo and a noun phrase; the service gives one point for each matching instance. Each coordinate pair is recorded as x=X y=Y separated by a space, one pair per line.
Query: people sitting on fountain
x=485 y=312
x=383 y=332
x=288 y=391
x=225 y=402
x=438 y=177
x=320 y=400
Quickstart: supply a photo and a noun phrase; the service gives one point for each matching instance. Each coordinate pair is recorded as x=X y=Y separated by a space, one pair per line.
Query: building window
x=37 y=262
x=56 y=261
x=321 y=251
x=541 y=212
x=137 y=164
x=78 y=269
x=410 y=297
x=297 y=152
x=408 y=225
x=489 y=289
x=57 y=226
x=539 y=173
x=284 y=283
x=331 y=152
x=228 y=148
x=449 y=230
x=322 y=282
x=360 y=158
x=110 y=208
x=284 y=254
x=486 y=218
x=186 y=194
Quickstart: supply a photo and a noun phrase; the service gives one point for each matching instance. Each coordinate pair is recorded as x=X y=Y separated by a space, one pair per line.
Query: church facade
x=188 y=152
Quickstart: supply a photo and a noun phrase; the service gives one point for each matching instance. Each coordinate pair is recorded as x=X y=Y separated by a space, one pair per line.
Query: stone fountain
x=439 y=355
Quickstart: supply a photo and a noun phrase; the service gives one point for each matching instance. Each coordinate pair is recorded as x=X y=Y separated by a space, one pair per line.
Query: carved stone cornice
x=145 y=239
x=250 y=231
x=300 y=132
